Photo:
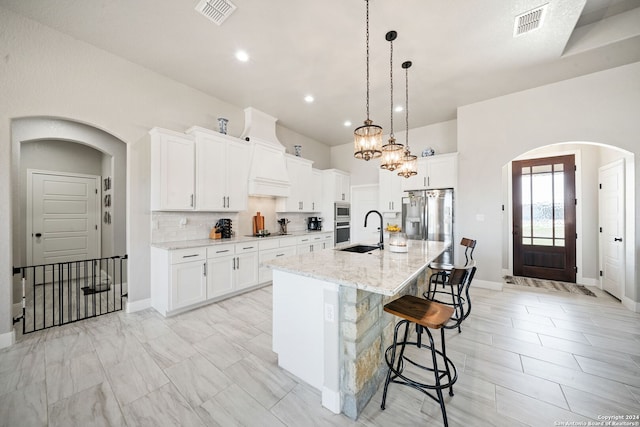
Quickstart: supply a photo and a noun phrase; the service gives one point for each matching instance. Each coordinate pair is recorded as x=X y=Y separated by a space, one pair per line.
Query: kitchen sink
x=361 y=249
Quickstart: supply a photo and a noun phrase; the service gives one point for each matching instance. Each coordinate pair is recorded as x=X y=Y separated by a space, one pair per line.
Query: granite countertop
x=382 y=272
x=187 y=244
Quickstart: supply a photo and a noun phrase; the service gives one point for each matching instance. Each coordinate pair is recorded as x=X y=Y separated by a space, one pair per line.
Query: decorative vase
x=297 y=150
x=222 y=125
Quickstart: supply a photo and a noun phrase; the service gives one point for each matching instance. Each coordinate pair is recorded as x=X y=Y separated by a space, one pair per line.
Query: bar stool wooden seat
x=425 y=315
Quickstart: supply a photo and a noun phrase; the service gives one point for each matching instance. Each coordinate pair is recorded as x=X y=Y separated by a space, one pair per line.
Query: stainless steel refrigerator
x=428 y=215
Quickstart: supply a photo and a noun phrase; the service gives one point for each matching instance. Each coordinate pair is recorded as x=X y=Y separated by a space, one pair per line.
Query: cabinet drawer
x=268 y=244
x=220 y=250
x=304 y=240
x=187 y=255
x=317 y=238
x=288 y=241
x=246 y=247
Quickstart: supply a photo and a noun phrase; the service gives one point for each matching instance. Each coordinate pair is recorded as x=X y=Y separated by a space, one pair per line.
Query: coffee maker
x=314 y=223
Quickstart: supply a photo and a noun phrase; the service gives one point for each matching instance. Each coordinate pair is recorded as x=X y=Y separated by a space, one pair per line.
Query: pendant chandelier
x=391 y=152
x=367 y=138
x=409 y=165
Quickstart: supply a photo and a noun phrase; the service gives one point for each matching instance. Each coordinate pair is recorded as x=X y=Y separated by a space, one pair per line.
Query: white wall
x=602 y=107
x=442 y=137
x=48 y=74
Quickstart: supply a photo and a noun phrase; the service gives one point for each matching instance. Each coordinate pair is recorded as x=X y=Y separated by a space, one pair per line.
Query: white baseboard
x=585 y=281
x=7 y=339
x=486 y=284
x=331 y=400
x=630 y=304
x=133 y=306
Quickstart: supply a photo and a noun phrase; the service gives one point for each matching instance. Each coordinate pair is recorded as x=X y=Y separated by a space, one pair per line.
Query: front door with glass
x=544 y=213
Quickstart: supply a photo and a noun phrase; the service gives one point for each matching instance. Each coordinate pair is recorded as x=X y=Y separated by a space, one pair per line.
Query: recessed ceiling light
x=347 y=123
x=242 y=56
x=398 y=109
x=308 y=99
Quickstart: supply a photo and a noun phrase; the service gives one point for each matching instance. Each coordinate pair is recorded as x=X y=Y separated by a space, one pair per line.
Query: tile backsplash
x=180 y=226
x=177 y=226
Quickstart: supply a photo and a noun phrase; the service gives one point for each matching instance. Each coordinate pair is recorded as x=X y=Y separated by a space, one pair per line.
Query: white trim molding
x=133 y=306
x=7 y=339
x=486 y=284
x=630 y=304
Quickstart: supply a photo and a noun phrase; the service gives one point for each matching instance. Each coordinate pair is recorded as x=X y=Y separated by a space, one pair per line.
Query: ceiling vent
x=529 y=21
x=216 y=10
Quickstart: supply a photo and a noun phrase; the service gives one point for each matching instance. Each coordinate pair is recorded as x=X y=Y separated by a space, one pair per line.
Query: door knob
x=617 y=239
x=38 y=235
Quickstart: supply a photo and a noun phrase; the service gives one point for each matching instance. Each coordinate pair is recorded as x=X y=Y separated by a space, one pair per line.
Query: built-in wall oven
x=342 y=223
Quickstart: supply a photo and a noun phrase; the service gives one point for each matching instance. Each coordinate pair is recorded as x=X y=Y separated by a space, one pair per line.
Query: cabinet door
x=188 y=284
x=175 y=178
x=343 y=187
x=317 y=247
x=442 y=171
x=304 y=248
x=316 y=191
x=265 y=273
x=220 y=276
x=211 y=174
x=237 y=170
x=246 y=270
x=390 y=187
x=419 y=181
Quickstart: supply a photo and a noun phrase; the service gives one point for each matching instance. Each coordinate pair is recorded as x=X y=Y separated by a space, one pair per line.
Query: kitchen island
x=329 y=327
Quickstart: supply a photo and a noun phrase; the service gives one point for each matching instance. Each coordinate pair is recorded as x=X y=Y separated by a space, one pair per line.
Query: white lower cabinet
x=178 y=278
x=231 y=268
x=314 y=242
x=220 y=268
x=266 y=274
x=185 y=278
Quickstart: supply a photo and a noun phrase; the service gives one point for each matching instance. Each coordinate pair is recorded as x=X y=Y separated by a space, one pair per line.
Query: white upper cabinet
x=439 y=171
x=390 y=191
x=301 y=177
x=316 y=190
x=222 y=171
x=337 y=186
x=172 y=170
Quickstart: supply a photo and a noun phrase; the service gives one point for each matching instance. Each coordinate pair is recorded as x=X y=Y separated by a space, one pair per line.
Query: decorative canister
x=398 y=241
x=297 y=150
x=222 y=125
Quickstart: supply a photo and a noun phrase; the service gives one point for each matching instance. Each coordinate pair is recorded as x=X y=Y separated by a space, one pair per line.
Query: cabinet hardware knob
x=617 y=239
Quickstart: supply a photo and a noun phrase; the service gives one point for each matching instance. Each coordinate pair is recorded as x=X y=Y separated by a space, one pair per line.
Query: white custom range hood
x=268 y=171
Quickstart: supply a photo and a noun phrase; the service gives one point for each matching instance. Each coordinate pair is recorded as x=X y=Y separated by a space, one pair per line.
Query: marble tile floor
x=524 y=358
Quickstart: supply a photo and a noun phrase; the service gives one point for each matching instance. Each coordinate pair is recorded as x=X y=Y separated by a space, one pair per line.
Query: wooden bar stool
x=426 y=315
x=440 y=270
x=457 y=295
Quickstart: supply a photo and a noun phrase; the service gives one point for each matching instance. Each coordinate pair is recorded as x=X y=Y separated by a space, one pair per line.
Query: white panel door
x=64 y=223
x=611 y=201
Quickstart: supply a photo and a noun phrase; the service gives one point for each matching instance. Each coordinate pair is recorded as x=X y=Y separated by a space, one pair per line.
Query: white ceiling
x=462 y=51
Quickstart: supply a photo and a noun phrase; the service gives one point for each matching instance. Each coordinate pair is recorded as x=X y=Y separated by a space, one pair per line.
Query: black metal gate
x=57 y=294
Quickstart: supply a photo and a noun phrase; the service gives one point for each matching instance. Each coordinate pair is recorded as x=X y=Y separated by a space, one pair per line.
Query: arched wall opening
x=67 y=146
x=589 y=157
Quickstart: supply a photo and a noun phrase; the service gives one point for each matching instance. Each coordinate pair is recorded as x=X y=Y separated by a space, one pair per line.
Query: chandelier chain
x=391 y=77
x=367 y=37
x=406 y=95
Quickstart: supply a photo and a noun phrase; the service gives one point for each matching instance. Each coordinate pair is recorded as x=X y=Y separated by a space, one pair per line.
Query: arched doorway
x=68 y=148
x=589 y=157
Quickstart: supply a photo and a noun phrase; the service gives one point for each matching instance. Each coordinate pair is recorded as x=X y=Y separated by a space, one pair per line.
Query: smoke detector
x=216 y=10
x=529 y=21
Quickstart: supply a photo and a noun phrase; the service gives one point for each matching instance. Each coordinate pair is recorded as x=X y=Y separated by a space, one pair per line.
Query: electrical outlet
x=329 y=312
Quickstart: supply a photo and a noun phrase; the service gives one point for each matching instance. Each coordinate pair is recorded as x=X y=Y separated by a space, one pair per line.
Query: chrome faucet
x=381 y=242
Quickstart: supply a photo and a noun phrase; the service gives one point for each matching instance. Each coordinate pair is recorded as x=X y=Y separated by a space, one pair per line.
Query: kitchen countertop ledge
x=188 y=244
x=382 y=272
